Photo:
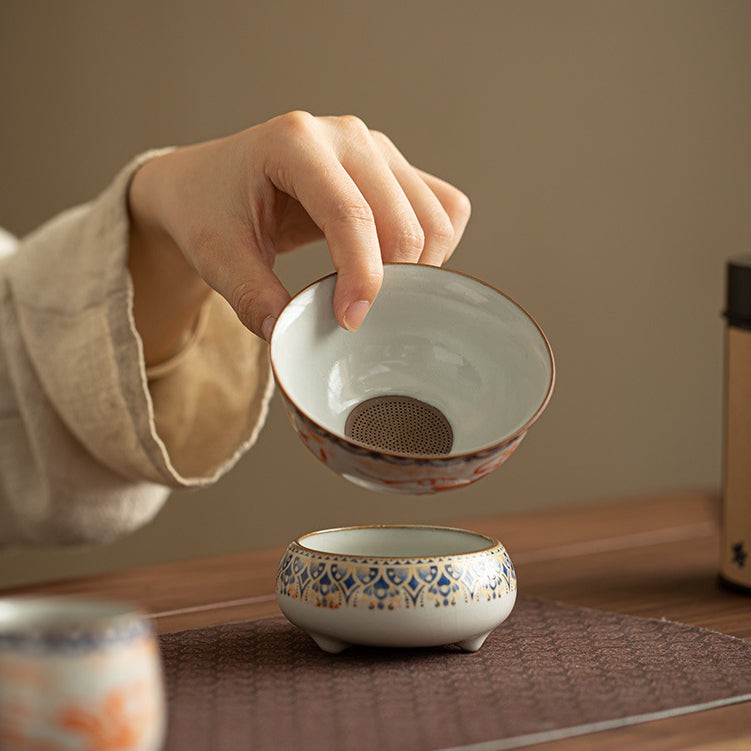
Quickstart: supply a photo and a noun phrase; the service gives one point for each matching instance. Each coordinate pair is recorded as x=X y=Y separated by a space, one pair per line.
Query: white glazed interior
x=432 y=334
x=396 y=541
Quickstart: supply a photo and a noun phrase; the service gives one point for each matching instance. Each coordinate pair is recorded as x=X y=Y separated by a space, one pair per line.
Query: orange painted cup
x=78 y=674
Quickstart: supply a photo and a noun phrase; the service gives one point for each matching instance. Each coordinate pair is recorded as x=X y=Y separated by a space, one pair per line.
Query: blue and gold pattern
x=378 y=584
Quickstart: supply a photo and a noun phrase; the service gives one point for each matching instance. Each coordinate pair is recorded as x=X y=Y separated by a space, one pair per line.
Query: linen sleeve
x=89 y=440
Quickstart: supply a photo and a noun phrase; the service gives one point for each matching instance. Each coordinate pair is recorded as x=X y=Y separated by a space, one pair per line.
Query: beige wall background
x=604 y=145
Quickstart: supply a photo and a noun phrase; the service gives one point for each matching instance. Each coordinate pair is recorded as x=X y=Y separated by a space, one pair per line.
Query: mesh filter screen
x=401 y=425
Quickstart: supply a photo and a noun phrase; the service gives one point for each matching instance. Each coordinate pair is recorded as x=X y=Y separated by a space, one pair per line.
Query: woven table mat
x=549 y=671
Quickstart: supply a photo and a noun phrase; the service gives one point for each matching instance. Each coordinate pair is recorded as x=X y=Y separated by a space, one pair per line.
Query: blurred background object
x=736 y=480
x=604 y=146
x=78 y=674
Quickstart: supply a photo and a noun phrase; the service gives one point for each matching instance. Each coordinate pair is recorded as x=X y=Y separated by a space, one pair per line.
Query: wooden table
x=652 y=556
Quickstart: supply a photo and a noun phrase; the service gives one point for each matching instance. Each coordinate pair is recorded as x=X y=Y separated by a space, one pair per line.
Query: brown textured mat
x=551 y=668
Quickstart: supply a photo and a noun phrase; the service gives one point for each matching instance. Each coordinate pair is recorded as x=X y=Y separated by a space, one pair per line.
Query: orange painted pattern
x=405 y=476
x=119 y=723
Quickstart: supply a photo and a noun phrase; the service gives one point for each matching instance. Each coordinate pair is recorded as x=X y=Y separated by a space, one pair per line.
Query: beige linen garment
x=90 y=442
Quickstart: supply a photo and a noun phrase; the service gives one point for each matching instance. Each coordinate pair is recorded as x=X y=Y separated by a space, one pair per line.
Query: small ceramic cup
x=435 y=390
x=396 y=586
x=78 y=674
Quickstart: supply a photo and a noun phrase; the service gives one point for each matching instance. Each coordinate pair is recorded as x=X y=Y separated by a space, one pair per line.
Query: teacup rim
x=425 y=457
x=113 y=611
x=494 y=543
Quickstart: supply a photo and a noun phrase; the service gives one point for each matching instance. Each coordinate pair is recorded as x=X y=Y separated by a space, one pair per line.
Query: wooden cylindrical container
x=735 y=566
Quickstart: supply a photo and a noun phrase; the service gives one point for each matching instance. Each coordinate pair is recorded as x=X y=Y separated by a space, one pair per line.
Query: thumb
x=256 y=295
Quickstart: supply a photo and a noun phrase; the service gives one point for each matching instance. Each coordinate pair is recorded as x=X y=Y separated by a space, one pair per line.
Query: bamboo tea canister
x=735 y=568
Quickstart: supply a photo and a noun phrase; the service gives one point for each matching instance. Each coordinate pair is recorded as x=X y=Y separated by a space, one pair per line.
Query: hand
x=220 y=212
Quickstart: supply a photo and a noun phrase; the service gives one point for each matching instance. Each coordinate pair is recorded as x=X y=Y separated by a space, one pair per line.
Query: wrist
x=167 y=292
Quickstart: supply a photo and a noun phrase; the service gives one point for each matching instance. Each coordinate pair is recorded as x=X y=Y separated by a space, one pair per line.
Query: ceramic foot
x=327 y=644
x=473 y=644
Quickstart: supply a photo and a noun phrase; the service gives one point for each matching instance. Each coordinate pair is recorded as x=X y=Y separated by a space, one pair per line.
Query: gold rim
x=493 y=542
x=429 y=457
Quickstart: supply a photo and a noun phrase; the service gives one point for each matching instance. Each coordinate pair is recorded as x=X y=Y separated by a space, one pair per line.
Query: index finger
x=334 y=202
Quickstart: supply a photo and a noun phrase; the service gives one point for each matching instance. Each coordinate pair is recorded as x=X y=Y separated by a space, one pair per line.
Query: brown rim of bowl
x=430 y=457
x=493 y=542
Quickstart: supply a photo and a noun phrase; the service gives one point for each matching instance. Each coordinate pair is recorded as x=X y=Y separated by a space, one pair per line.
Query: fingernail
x=267 y=327
x=355 y=314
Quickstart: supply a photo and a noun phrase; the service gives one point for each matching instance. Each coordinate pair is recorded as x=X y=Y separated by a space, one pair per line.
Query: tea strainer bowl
x=434 y=391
